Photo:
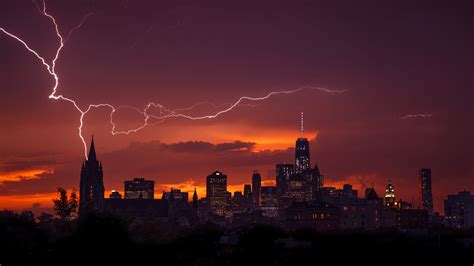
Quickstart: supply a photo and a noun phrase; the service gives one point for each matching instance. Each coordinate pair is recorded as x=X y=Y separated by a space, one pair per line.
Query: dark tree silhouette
x=64 y=207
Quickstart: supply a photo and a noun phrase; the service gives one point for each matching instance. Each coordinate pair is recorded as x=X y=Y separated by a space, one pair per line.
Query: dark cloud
x=202 y=146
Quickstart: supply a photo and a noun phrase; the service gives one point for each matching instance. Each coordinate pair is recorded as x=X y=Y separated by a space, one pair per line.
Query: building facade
x=139 y=188
x=426 y=193
x=459 y=210
x=269 y=202
x=216 y=193
x=256 y=185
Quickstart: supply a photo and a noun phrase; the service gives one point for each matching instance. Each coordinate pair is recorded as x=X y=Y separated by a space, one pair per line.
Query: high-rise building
x=459 y=210
x=389 y=195
x=301 y=155
x=216 y=192
x=314 y=182
x=302 y=161
x=283 y=173
x=139 y=188
x=256 y=185
x=269 y=205
x=426 y=193
x=247 y=191
x=92 y=183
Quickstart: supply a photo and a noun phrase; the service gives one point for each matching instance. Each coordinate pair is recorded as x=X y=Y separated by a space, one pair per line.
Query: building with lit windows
x=389 y=195
x=302 y=161
x=269 y=203
x=139 y=188
x=216 y=193
x=316 y=216
x=459 y=210
x=179 y=198
x=282 y=174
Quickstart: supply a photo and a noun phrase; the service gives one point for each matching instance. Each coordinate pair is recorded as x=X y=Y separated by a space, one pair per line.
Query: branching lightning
x=164 y=113
x=416 y=116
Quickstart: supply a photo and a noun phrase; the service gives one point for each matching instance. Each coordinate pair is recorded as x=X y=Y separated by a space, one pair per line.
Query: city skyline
x=394 y=117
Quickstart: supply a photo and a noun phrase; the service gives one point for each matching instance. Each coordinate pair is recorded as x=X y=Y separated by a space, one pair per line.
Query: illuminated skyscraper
x=301 y=152
x=92 y=183
x=283 y=173
x=269 y=205
x=216 y=192
x=426 y=194
x=389 y=195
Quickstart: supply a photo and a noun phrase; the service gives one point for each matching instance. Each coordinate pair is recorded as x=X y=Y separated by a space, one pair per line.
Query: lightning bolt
x=164 y=113
x=416 y=116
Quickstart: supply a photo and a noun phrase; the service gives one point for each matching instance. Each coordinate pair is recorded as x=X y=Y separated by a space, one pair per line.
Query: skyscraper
x=389 y=194
x=92 y=183
x=314 y=182
x=301 y=152
x=426 y=193
x=269 y=204
x=283 y=173
x=216 y=192
x=256 y=185
x=139 y=188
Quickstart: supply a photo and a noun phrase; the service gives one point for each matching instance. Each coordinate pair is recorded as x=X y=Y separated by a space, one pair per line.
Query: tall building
x=314 y=182
x=389 y=195
x=139 y=188
x=216 y=192
x=247 y=191
x=92 y=183
x=283 y=173
x=256 y=185
x=269 y=205
x=302 y=161
x=459 y=210
x=426 y=193
x=301 y=155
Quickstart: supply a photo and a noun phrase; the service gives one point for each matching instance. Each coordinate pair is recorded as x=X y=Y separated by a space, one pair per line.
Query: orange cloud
x=16 y=176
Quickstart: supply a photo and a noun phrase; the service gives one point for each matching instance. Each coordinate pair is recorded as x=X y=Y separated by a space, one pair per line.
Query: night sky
x=393 y=58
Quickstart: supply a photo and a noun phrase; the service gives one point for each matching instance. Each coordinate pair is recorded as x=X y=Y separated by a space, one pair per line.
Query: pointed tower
x=195 y=199
x=92 y=184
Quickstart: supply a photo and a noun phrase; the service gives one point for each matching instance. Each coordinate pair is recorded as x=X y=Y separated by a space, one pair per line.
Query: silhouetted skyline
x=393 y=61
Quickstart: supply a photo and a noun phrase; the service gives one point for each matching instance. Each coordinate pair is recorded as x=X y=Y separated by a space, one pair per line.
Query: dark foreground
x=110 y=241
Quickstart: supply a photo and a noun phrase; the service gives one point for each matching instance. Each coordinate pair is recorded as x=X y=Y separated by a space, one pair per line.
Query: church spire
x=92 y=156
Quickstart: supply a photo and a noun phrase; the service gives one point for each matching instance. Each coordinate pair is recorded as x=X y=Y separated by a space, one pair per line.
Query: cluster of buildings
x=298 y=200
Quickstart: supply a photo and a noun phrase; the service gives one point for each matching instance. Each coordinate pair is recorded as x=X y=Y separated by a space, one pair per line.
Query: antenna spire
x=302 y=124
